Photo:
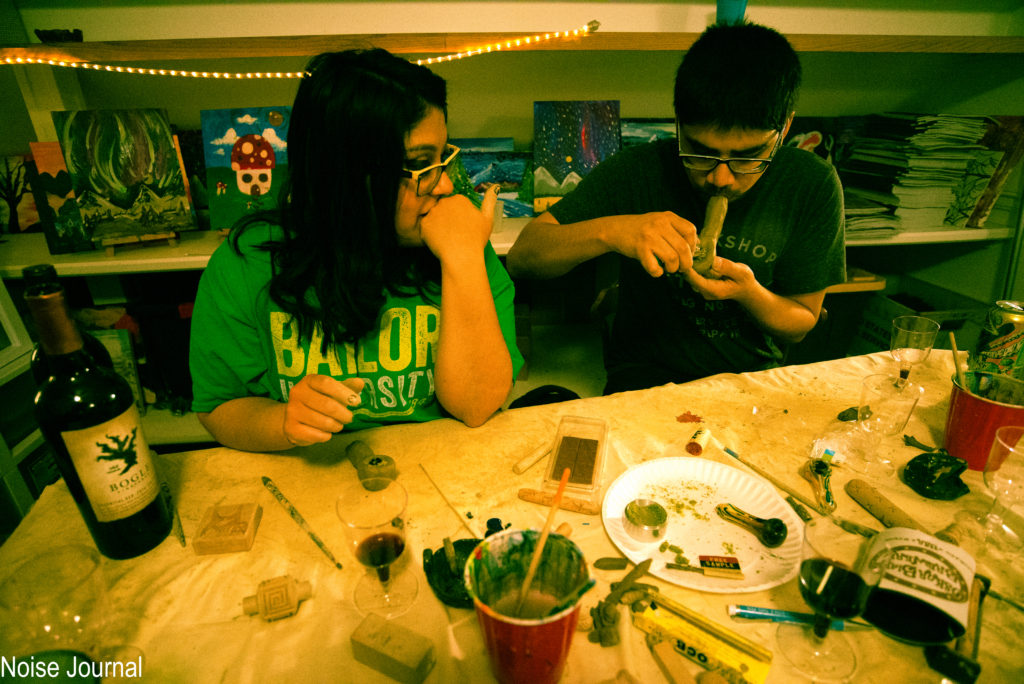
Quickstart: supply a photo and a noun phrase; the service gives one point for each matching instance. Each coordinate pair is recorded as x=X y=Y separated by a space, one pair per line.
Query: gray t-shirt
x=788 y=228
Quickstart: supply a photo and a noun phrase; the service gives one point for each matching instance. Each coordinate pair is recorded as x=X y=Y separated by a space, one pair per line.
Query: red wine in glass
x=373 y=514
x=380 y=551
x=832 y=591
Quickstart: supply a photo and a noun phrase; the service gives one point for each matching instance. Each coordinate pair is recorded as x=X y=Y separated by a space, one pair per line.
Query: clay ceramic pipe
x=771 y=531
x=819 y=474
x=714 y=217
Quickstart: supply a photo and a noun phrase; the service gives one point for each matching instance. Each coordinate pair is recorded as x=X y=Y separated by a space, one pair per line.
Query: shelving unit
x=444 y=43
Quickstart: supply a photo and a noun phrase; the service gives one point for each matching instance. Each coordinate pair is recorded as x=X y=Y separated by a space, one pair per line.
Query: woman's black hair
x=738 y=76
x=339 y=253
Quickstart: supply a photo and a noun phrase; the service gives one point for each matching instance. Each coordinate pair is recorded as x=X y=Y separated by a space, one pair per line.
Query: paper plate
x=689 y=489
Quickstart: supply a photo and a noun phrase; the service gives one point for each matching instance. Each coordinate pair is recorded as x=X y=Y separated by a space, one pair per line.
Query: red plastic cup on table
x=989 y=402
x=531 y=643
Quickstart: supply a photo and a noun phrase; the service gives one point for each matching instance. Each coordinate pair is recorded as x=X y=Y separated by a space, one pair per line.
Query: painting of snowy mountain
x=494 y=160
x=570 y=137
x=125 y=172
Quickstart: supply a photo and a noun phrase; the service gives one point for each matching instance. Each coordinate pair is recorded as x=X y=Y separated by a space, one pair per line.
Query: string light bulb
x=510 y=44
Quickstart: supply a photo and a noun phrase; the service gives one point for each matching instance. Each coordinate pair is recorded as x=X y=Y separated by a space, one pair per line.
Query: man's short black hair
x=738 y=76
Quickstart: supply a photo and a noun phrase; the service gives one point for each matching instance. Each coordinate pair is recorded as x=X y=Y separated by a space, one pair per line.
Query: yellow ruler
x=704 y=641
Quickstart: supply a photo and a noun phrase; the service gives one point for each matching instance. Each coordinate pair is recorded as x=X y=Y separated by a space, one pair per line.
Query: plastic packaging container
x=580 y=446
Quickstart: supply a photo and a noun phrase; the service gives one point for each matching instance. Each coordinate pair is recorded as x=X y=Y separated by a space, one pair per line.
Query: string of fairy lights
x=499 y=46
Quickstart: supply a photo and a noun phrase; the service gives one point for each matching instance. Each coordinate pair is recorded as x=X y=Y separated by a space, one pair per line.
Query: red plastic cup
x=974 y=416
x=533 y=646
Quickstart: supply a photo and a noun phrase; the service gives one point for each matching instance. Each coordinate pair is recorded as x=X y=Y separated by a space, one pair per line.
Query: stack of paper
x=928 y=169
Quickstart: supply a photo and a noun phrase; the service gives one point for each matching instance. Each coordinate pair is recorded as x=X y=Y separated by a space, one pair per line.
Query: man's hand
x=319 y=406
x=662 y=242
x=726 y=280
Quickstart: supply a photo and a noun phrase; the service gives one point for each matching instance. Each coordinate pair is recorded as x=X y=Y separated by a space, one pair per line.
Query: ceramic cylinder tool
x=875 y=503
x=567 y=503
x=370 y=465
x=714 y=217
x=531 y=459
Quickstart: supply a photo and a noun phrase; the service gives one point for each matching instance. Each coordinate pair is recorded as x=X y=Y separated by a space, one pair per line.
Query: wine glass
x=373 y=513
x=886 y=404
x=1004 y=477
x=52 y=606
x=836 y=577
x=912 y=340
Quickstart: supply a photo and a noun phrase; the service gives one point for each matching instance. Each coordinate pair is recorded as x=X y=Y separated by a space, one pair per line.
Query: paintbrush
x=535 y=561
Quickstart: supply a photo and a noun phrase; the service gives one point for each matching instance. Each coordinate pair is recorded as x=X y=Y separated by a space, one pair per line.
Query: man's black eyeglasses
x=707 y=164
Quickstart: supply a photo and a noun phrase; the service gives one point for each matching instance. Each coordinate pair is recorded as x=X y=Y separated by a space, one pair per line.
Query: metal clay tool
x=297 y=517
x=773 y=480
x=714 y=217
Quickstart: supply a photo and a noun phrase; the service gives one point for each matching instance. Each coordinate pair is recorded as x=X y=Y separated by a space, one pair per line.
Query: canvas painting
x=17 y=205
x=125 y=172
x=246 y=153
x=63 y=227
x=570 y=137
x=494 y=160
x=640 y=131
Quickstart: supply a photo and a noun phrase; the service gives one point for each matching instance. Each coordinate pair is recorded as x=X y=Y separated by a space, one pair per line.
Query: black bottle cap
x=40 y=279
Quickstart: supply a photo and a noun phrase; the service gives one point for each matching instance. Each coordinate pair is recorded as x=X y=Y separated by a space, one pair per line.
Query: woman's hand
x=455 y=228
x=319 y=406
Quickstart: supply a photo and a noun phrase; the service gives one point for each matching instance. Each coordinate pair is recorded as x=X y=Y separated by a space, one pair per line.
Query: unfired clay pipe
x=714 y=217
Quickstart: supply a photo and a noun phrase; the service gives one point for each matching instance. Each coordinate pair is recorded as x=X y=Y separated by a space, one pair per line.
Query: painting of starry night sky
x=569 y=139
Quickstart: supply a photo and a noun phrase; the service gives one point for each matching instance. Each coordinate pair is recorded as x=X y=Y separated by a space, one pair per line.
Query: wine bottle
x=88 y=416
x=42 y=279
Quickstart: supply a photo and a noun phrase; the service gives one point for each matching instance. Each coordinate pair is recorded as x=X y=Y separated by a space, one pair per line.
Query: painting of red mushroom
x=246 y=154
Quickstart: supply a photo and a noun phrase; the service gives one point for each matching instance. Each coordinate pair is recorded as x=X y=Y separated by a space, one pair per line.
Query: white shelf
x=935 y=236
x=190 y=254
x=28 y=249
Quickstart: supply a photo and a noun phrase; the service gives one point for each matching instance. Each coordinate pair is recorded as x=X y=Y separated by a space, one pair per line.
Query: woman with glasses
x=781 y=244
x=372 y=296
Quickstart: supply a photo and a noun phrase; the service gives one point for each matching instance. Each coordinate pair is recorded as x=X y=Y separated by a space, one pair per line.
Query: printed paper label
x=112 y=460
x=927 y=568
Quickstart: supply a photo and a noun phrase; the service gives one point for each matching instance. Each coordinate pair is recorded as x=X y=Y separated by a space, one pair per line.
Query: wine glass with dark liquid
x=836 y=577
x=912 y=340
x=373 y=513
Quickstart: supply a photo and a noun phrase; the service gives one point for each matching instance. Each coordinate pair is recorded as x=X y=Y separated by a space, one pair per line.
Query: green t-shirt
x=788 y=228
x=243 y=344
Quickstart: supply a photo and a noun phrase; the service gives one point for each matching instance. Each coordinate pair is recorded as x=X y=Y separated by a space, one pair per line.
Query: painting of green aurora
x=125 y=170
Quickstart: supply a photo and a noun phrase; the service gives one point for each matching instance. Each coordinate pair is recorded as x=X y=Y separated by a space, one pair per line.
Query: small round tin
x=645 y=520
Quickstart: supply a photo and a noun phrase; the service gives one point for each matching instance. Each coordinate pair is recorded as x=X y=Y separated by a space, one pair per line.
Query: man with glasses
x=782 y=241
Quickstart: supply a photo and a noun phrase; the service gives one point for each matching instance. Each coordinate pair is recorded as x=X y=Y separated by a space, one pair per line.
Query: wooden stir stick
x=956 y=362
x=535 y=561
